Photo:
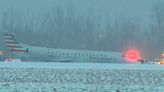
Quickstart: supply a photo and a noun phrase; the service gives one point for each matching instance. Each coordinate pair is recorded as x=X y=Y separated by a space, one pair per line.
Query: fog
x=108 y=25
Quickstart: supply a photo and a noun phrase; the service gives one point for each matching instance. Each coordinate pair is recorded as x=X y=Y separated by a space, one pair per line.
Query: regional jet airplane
x=44 y=54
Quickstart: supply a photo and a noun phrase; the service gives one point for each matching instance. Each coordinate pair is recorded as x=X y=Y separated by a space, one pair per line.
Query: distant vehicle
x=64 y=55
x=159 y=61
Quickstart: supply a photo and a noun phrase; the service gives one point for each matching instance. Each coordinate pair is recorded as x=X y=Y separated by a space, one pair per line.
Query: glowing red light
x=132 y=55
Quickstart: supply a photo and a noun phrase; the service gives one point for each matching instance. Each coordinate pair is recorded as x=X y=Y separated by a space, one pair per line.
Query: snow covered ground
x=80 y=77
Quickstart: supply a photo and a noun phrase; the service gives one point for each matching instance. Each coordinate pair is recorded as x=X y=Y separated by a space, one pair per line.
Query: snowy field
x=80 y=77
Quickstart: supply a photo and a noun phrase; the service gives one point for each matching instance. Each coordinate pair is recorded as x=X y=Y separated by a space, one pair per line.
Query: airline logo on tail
x=11 y=44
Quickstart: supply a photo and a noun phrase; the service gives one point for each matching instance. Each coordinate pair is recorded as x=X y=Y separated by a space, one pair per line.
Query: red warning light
x=132 y=55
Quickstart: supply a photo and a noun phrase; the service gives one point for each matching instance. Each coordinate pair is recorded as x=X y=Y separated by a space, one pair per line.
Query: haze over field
x=73 y=28
x=87 y=24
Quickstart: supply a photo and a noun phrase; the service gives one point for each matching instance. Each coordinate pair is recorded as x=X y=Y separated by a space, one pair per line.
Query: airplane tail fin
x=12 y=45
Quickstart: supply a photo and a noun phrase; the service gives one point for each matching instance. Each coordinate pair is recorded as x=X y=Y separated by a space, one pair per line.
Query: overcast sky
x=136 y=9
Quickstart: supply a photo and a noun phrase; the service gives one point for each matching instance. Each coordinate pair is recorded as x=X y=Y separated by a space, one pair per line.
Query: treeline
x=64 y=29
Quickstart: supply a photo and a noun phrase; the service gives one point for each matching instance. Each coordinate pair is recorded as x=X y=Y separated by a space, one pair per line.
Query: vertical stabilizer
x=11 y=43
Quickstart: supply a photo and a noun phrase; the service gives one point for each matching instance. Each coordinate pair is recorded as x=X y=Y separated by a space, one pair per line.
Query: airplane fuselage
x=45 y=54
x=70 y=55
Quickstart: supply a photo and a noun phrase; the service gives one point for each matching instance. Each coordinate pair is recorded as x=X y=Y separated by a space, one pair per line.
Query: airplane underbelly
x=84 y=59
